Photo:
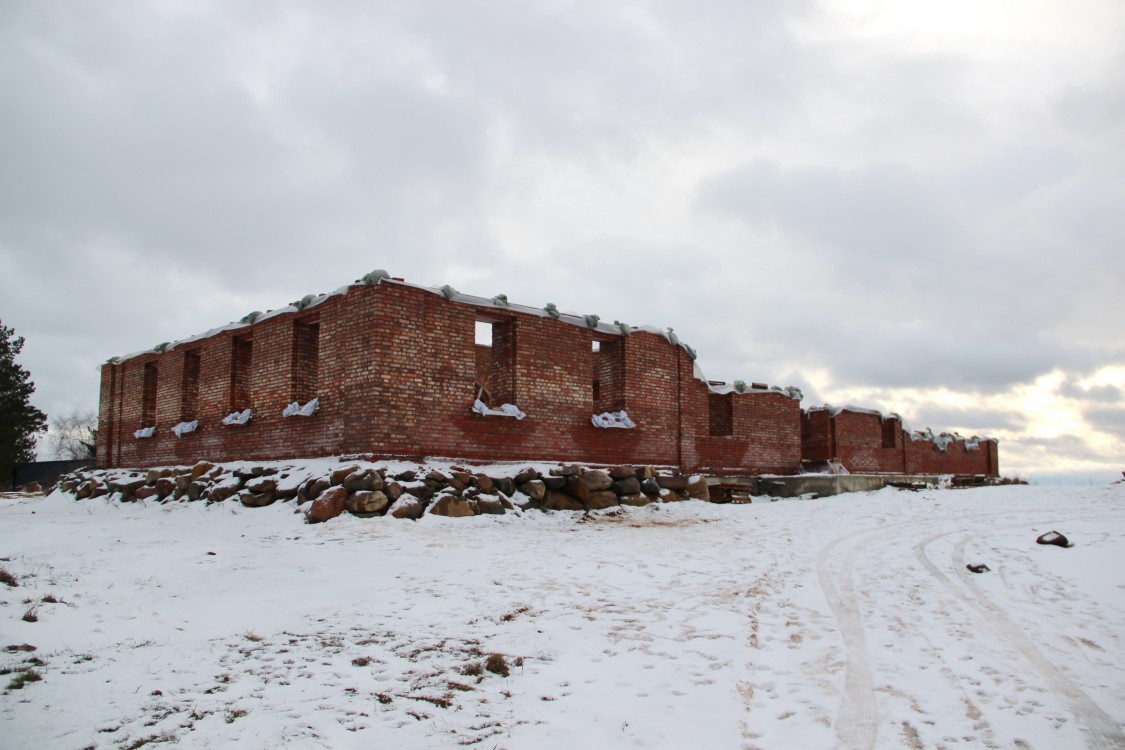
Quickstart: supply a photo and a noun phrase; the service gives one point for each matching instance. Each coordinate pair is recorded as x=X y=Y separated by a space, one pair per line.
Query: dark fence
x=46 y=473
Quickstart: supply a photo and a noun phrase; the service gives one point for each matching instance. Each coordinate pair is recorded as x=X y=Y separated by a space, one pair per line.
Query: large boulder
x=200 y=469
x=195 y=490
x=622 y=472
x=526 y=475
x=630 y=485
x=327 y=505
x=597 y=480
x=650 y=487
x=367 y=502
x=452 y=506
x=578 y=489
x=637 y=499
x=338 y=476
x=363 y=479
x=262 y=484
x=408 y=506
x=535 y=489
x=558 y=500
x=491 y=504
x=144 y=493
x=599 y=499
x=677 y=482
x=484 y=483
x=223 y=490
x=256 y=499
x=164 y=487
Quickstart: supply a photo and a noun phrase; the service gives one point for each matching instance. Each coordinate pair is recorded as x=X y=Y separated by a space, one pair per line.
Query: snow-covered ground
x=849 y=621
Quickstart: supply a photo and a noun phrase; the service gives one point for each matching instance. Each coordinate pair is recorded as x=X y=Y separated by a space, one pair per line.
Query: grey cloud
x=1108 y=419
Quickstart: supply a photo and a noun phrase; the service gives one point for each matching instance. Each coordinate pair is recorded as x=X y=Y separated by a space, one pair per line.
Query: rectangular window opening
x=608 y=381
x=241 y=368
x=891 y=429
x=148 y=396
x=189 y=392
x=306 y=360
x=720 y=410
x=496 y=362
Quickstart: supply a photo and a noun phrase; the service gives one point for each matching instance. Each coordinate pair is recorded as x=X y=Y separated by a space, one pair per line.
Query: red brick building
x=867 y=442
x=396 y=371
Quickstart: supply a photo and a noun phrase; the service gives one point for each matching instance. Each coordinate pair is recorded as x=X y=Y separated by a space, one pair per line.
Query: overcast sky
x=910 y=206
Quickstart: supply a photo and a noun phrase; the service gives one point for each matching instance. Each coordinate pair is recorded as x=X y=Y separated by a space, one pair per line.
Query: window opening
x=189 y=392
x=608 y=381
x=306 y=360
x=241 y=366
x=890 y=430
x=495 y=362
x=720 y=409
x=148 y=396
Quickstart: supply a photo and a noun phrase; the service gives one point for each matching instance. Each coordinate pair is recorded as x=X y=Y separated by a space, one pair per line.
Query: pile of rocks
x=366 y=490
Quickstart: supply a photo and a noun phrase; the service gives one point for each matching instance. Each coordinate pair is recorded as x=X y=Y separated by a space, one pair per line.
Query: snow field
x=843 y=622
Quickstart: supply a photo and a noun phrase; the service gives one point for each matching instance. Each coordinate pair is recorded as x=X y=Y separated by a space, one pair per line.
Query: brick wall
x=867 y=443
x=396 y=369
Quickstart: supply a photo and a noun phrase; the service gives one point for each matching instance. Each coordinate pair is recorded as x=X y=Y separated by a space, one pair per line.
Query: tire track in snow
x=857 y=723
x=1101 y=729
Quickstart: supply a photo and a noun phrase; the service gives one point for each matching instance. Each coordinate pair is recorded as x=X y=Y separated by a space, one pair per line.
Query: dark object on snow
x=912 y=486
x=1055 y=538
x=978 y=568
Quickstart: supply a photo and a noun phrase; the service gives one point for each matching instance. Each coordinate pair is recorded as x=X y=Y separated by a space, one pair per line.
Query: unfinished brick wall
x=865 y=442
x=396 y=369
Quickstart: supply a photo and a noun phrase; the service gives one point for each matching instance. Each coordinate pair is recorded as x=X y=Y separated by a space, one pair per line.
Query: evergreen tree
x=20 y=422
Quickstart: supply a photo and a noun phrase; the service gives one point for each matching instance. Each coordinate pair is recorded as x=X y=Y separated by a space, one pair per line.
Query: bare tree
x=72 y=436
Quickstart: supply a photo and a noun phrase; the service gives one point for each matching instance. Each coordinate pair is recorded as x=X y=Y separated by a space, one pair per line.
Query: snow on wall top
x=499 y=302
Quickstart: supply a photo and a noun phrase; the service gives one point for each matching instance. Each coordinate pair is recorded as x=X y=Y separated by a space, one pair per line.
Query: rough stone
x=367 y=502
x=201 y=468
x=553 y=482
x=195 y=490
x=576 y=488
x=144 y=493
x=409 y=507
x=393 y=490
x=219 y=493
x=328 y=504
x=491 y=504
x=256 y=499
x=597 y=480
x=650 y=487
x=337 y=477
x=315 y=486
x=558 y=500
x=421 y=491
x=535 y=489
x=407 y=476
x=437 y=477
x=637 y=500
x=363 y=479
x=599 y=499
x=526 y=475
x=645 y=472
x=484 y=483
x=163 y=488
x=262 y=484
x=630 y=485
x=672 y=483
x=452 y=506
x=622 y=472
x=506 y=485
x=181 y=482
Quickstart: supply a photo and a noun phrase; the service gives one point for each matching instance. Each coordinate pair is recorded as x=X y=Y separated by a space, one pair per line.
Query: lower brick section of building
x=396 y=369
